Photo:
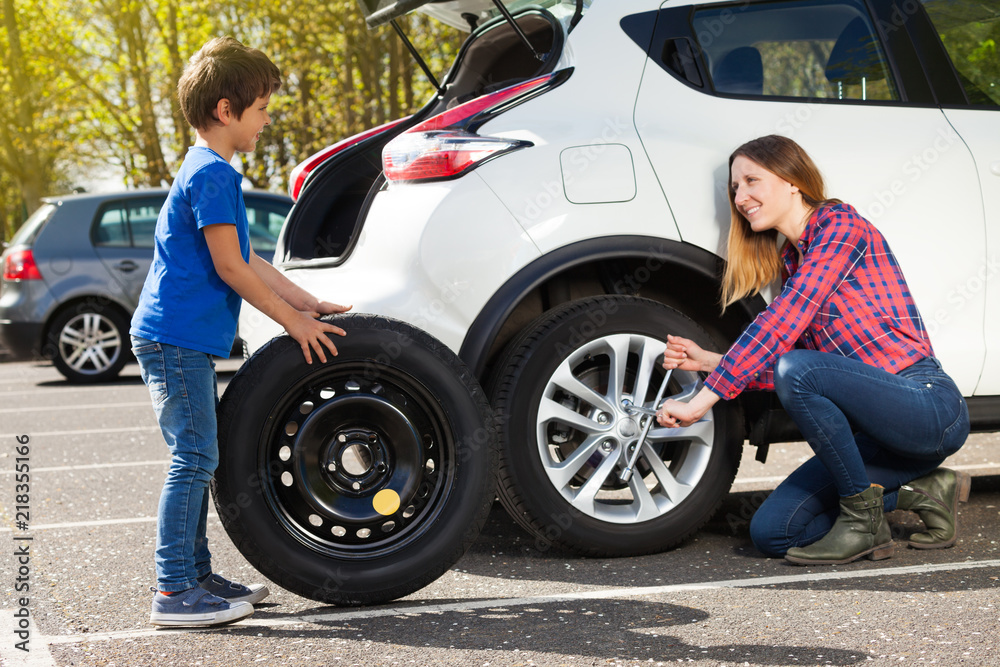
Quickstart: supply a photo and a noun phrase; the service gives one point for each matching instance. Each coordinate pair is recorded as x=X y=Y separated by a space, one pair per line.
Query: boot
x=935 y=498
x=860 y=530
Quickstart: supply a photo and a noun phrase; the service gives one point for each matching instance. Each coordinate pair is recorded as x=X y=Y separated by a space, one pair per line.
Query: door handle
x=995 y=168
x=127 y=266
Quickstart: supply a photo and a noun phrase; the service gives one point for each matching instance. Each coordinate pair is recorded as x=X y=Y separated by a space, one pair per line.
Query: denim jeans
x=865 y=426
x=182 y=385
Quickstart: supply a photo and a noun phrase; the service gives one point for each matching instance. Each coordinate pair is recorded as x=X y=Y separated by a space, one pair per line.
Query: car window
x=29 y=230
x=265 y=218
x=112 y=230
x=970 y=32
x=819 y=49
x=128 y=223
x=142 y=215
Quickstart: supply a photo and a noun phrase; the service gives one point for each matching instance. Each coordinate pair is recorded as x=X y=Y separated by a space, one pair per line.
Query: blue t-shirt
x=184 y=302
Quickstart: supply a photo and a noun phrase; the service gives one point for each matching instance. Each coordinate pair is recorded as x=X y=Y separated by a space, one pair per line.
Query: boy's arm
x=310 y=333
x=297 y=297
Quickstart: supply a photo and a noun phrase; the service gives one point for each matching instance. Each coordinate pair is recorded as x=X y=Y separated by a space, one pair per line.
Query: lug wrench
x=630 y=407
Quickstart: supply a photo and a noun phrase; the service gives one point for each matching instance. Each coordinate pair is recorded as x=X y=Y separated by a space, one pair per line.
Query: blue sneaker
x=230 y=591
x=196 y=607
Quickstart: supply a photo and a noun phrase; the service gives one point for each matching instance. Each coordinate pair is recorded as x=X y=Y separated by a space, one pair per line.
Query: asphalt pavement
x=77 y=572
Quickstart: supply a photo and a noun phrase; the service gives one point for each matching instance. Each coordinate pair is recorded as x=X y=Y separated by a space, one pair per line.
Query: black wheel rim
x=356 y=466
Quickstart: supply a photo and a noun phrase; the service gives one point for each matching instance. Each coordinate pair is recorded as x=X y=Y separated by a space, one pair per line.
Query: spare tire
x=360 y=480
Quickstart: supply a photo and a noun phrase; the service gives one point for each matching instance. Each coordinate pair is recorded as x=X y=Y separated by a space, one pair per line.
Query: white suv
x=552 y=213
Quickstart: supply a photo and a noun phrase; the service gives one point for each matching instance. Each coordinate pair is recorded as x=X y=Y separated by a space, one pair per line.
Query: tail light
x=447 y=146
x=20 y=265
x=306 y=167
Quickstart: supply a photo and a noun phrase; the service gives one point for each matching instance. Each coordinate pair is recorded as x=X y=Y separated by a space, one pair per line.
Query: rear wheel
x=360 y=480
x=561 y=393
x=89 y=344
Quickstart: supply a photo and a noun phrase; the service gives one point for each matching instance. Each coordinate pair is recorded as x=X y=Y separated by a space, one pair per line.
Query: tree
x=339 y=78
x=94 y=83
x=29 y=90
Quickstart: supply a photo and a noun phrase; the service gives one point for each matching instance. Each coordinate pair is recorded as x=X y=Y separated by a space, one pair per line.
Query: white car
x=550 y=216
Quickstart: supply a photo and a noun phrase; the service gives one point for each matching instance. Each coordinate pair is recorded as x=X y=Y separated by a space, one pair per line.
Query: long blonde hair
x=754 y=259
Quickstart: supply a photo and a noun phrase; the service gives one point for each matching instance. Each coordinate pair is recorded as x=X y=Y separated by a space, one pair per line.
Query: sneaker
x=230 y=591
x=196 y=607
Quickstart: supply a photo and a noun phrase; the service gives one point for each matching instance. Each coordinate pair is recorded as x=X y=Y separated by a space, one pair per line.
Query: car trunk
x=331 y=207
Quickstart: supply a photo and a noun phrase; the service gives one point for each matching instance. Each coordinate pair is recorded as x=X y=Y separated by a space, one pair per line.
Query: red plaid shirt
x=849 y=297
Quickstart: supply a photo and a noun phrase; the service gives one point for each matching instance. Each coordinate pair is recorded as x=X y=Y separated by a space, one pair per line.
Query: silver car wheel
x=585 y=435
x=90 y=343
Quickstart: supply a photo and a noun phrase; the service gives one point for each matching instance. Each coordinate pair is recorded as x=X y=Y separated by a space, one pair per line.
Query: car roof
x=144 y=192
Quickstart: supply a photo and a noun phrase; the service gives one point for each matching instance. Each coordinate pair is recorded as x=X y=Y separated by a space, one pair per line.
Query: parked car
x=559 y=207
x=73 y=273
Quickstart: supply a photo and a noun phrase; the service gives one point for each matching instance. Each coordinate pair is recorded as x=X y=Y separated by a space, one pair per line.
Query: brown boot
x=935 y=498
x=860 y=530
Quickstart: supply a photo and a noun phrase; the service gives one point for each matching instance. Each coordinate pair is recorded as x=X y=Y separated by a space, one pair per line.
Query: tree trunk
x=21 y=141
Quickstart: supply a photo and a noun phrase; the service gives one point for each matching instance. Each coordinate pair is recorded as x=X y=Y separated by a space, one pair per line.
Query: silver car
x=73 y=273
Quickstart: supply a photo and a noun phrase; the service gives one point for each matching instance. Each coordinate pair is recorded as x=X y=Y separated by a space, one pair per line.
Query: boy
x=203 y=265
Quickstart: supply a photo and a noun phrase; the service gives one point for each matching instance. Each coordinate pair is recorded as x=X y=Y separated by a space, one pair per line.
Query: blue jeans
x=865 y=426
x=182 y=385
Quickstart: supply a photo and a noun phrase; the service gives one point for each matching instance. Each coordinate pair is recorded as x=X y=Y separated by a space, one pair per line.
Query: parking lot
x=77 y=572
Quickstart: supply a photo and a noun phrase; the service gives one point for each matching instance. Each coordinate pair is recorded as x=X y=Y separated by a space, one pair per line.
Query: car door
x=969 y=30
x=831 y=76
x=122 y=235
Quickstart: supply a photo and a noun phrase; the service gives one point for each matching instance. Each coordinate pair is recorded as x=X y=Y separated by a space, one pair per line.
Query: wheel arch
x=640 y=265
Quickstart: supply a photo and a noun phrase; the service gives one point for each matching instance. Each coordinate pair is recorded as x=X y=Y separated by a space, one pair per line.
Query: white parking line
x=640 y=591
x=49 y=391
x=63 y=408
x=49 y=434
x=86 y=524
x=93 y=466
x=37 y=653
x=778 y=479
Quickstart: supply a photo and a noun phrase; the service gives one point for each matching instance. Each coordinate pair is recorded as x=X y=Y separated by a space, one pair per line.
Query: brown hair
x=754 y=259
x=224 y=69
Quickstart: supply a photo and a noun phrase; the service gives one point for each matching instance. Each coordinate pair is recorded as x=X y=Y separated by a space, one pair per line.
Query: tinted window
x=970 y=32
x=266 y=218
x=821 y=49
x=112 y=229
x=29 y=230
x=129 y=223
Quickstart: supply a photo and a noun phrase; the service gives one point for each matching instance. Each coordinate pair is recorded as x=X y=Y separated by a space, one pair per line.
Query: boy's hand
x=327 y=308
x=311 y=334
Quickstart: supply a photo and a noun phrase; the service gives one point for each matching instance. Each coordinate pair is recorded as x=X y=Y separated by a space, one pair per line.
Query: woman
x=845 y=349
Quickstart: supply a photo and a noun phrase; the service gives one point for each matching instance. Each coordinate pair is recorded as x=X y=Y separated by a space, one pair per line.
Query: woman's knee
x=766 y=536
x=788 y=372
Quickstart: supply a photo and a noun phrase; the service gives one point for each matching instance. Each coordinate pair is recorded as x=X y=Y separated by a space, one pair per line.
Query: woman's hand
x=675 y=413
x=686 y=355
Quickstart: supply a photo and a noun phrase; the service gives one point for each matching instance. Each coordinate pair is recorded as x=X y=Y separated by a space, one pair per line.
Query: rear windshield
x=29 y=230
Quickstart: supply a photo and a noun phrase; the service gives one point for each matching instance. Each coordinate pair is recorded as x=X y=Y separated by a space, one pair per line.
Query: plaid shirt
x=849 y=297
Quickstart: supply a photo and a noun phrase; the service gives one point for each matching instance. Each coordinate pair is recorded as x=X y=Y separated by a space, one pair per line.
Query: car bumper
x=22 y=340
x=24 y=307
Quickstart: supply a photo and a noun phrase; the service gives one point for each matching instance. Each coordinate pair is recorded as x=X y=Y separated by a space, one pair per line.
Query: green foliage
x=91 y=83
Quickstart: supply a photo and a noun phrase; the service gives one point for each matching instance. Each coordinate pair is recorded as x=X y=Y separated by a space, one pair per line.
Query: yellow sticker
x=386 y=502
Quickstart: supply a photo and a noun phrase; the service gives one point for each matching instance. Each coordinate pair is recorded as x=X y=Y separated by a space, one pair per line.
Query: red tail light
x=20 y=265
x=304 y=168
x=447 y=146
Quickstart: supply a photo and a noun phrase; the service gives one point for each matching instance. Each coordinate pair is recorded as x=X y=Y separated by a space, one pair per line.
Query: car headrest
x=855 y=55
x=740 y=72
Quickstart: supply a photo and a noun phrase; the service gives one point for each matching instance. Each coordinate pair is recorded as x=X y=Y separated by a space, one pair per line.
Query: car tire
x=362 y=479
x=565 y=436
x=89 y=343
